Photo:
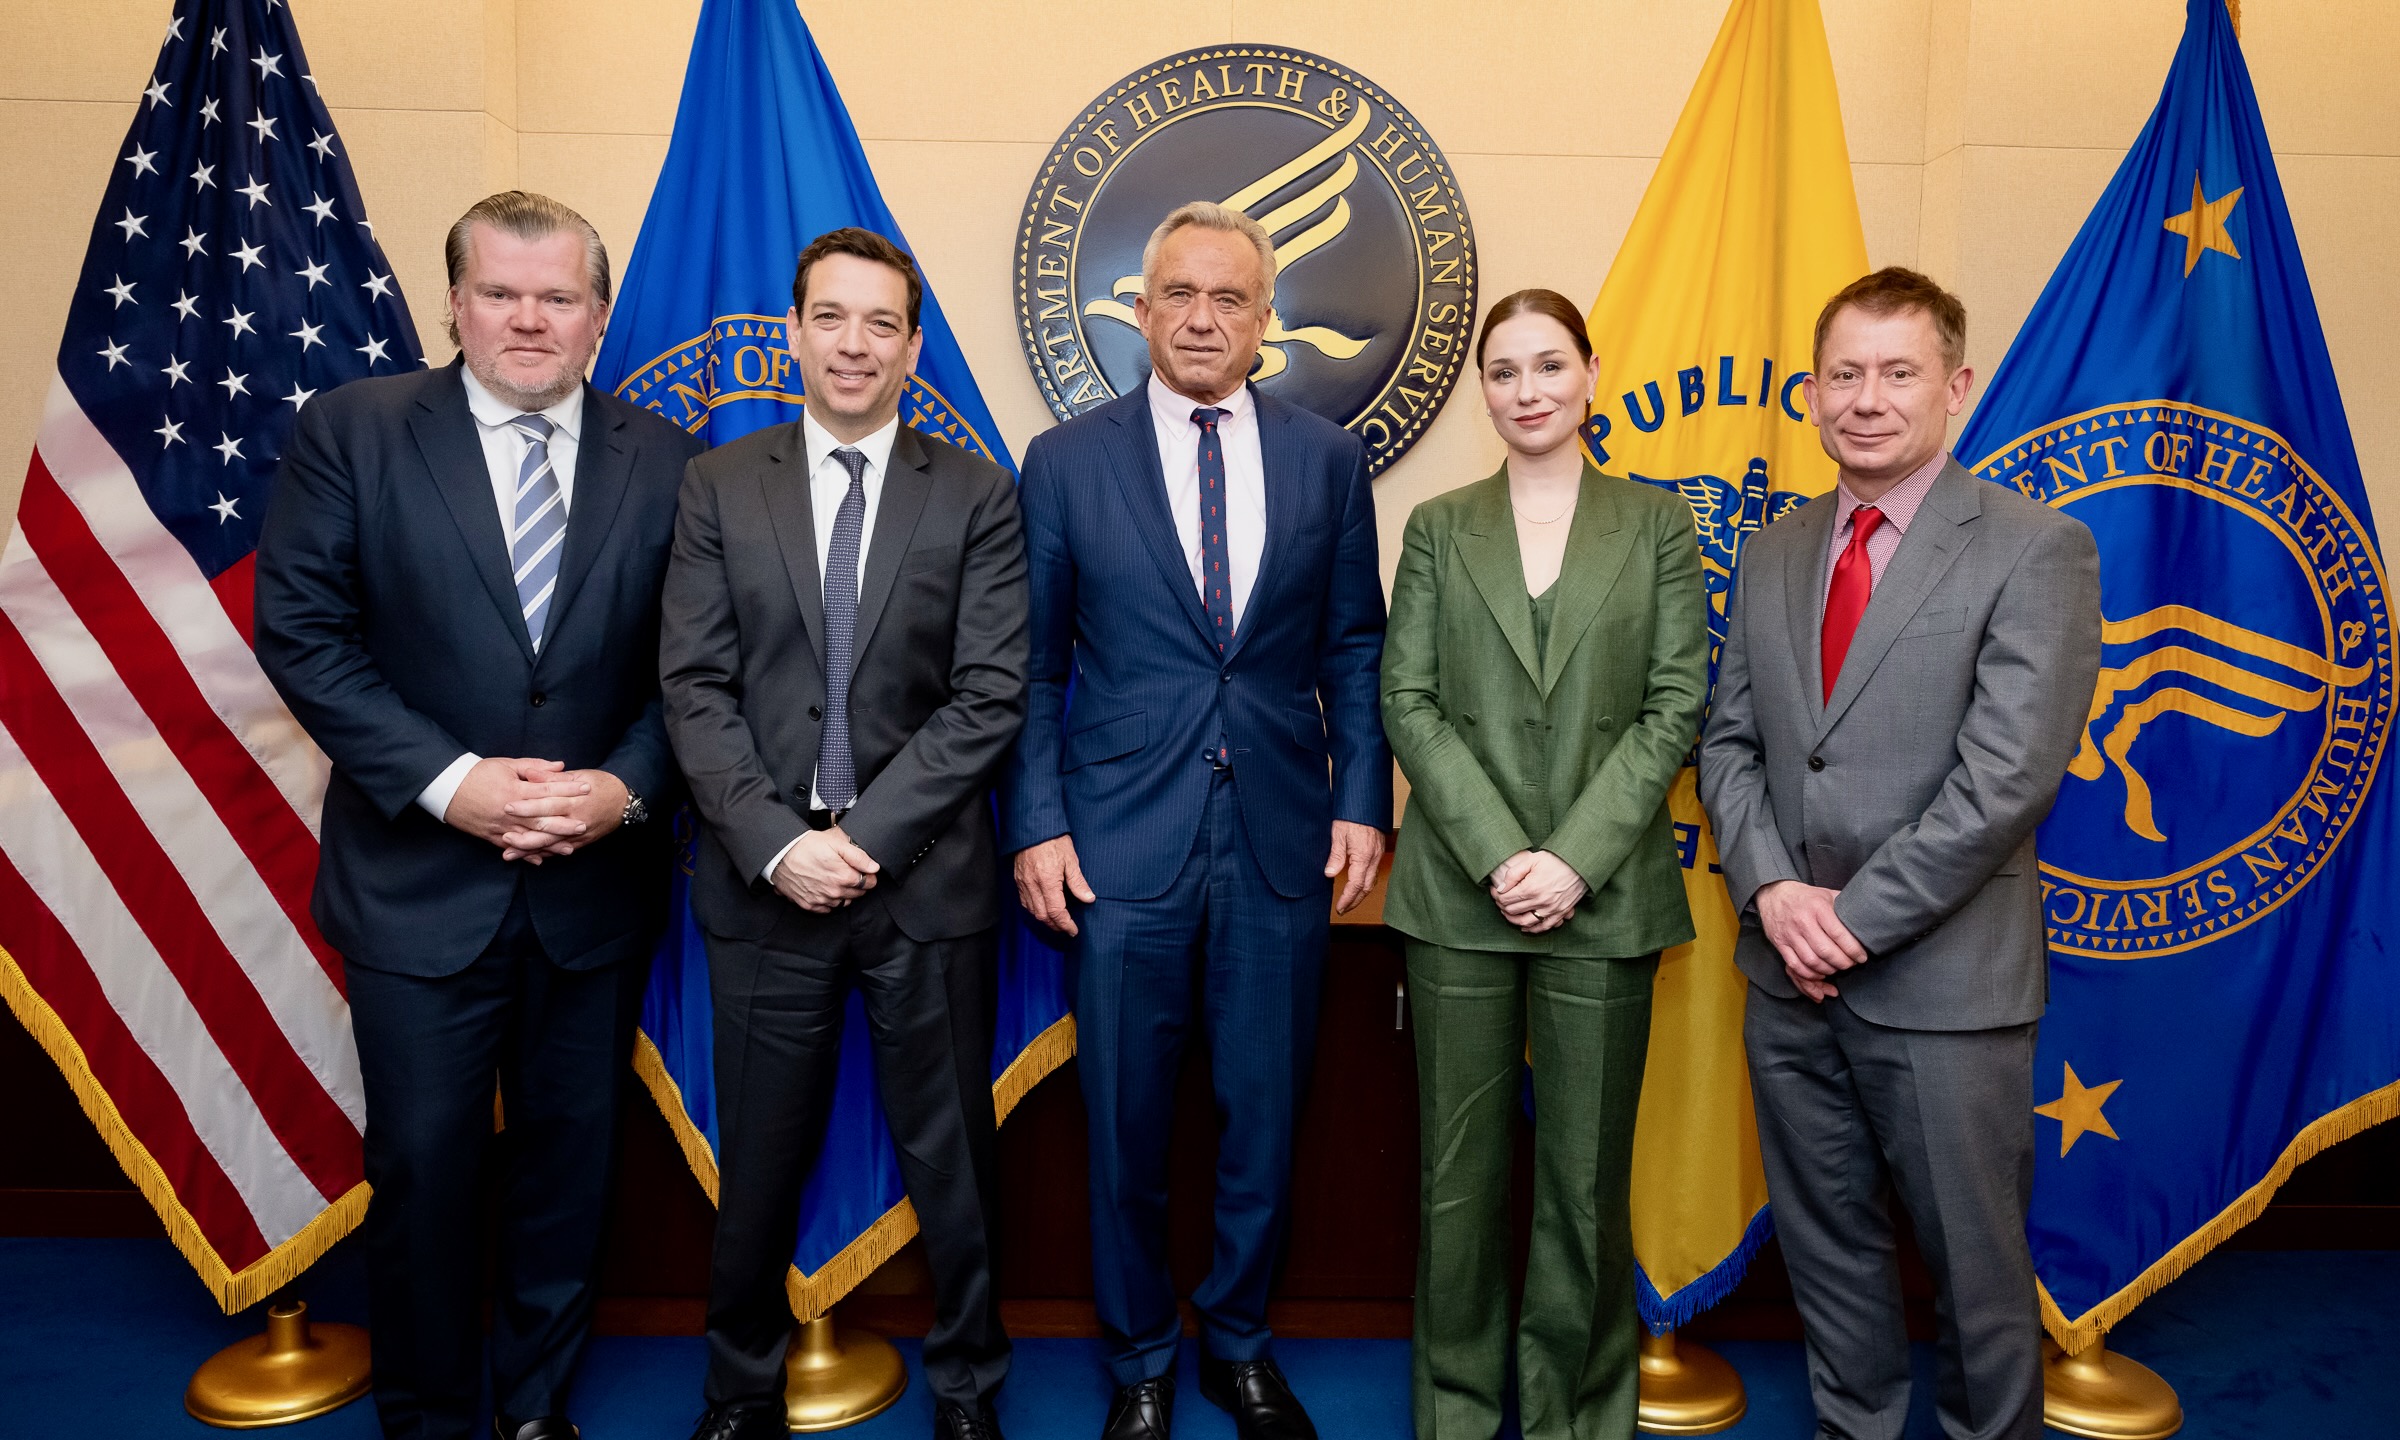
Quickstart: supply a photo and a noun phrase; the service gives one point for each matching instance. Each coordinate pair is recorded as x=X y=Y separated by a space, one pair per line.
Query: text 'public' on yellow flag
x=1703 y=333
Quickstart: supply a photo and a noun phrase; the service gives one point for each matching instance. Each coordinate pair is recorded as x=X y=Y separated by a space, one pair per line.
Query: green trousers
x=1586 y=1024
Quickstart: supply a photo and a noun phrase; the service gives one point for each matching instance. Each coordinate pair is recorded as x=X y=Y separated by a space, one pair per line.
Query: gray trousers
x=1848 y=1111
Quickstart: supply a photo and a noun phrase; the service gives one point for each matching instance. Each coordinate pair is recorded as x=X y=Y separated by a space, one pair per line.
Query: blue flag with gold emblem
x=2218 y=870
x=763 y=160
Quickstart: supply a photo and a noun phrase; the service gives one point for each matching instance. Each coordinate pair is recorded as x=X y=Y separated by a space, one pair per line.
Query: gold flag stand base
x=1687 y=1389
x=2101 y=1396
x=295 y=1371
x=831 y=1380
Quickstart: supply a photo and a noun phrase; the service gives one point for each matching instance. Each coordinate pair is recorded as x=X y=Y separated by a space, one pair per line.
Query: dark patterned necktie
x=837 y=773
x=1216 y=581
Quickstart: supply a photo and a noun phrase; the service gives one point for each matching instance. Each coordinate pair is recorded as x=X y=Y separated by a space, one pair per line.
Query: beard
x=556 y=387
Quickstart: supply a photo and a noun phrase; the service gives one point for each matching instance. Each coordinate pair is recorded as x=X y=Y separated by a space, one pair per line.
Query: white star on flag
x=320 y=207
x=228 y=447
x=157 y=94
x=216 y=41
x=373 y=349
x=144 y=162
x=257 y=191
x=248 y=254
x=298 y=397
x=232 y=384
x=307 y=335
x=376 y=286
x=323 y=145
x=208 y=112
x=121 y=292
x=170 y=432
x=265 y=126
x=114 y=355
x=177 y=372
x=239 y=322
x=226 y=509
x=204 y=177
x=132 y=224
x=313 y=273
x=192 y=244
x=187 y=306
x=267 y=64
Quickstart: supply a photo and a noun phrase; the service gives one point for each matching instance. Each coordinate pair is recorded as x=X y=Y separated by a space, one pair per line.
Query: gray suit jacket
x=937 y=692
x=1915 y=791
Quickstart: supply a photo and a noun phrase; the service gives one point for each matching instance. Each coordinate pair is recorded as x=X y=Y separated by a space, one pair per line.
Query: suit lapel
x=1926 y=553
x=1804 y=590
x=906 y=483
x=1280 y=476
x=784 y=485
x=1145 y=487
x=1487 y=546
x=1597 y=547
x=446 y=437
x=603 y=469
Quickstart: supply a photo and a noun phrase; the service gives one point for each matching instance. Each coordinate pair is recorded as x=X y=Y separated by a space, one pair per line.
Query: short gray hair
x=528 y=217
x=1209 y=215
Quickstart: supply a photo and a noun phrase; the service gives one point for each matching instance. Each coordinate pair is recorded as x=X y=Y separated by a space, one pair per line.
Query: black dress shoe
x=747 y=1420
x=1141 y=1412
x=544 y=1427
x=953 y=1421
x=1253 y=1392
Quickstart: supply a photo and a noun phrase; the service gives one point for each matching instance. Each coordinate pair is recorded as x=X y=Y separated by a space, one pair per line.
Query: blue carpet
x=99 y=1337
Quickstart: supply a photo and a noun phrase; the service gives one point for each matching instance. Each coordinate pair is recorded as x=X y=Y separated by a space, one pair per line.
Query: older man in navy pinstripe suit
x=1203 y=568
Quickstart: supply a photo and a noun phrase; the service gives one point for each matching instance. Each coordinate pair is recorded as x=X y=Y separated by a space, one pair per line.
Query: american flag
x=158 y=805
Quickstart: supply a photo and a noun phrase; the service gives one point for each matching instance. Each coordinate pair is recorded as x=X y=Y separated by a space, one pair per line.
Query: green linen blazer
x=1573 y=756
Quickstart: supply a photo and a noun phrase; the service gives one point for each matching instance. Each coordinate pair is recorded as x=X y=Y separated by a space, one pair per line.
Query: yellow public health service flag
x=1703 y=332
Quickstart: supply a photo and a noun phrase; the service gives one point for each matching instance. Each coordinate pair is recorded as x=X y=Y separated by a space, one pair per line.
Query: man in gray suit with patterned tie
x=1905 y=678
x=844 y=657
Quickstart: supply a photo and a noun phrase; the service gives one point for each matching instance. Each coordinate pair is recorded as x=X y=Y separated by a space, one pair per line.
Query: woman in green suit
x=1542 y=682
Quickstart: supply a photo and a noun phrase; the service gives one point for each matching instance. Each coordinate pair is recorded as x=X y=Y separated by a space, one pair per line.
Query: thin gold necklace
x=1531 y=520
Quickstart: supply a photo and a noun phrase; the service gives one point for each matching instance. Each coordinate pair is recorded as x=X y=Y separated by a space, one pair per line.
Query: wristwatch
x=635 y=811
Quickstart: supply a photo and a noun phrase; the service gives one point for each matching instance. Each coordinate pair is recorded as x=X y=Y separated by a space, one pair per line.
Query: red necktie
x=1846 y=601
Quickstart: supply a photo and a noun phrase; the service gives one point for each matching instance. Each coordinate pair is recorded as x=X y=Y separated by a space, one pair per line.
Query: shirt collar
x=1899 y=504
x=1168 y=408
x=492 y=412
x=876 y=447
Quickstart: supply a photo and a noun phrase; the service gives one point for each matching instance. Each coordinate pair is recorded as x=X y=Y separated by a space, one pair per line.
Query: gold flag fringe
x=2081 y=1333
x=812 y=1296
x=235 y=1290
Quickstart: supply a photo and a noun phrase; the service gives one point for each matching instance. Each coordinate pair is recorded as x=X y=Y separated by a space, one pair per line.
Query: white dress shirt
x=1245 y=482
x=828 y=483
x=504 y=447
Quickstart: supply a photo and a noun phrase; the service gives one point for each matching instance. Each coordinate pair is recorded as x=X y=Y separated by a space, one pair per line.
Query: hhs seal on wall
x=1375 y=295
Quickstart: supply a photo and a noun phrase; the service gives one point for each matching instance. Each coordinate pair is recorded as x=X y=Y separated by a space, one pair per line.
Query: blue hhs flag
x=764 y=159
x=2219 y=871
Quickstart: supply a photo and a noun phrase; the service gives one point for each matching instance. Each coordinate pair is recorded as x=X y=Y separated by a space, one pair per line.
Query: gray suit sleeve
x=952 y=757
x=1733 y=768
x=2033 y=687
x=700 y=677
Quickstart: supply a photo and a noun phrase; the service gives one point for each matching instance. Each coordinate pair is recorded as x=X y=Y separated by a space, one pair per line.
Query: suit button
x=1816 y=762
x=1225 y=677
x=539 y=699
x=1468 y=718
x=1605 y=722
x=815 y=714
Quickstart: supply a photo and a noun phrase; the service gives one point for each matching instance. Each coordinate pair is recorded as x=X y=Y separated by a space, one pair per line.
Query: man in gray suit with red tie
x=1905 y=678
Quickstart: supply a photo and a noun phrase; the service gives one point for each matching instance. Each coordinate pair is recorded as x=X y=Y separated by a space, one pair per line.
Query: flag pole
x=1687 y=1389
x=834 y=1377
x=2102 y=1396
x=291 y=1372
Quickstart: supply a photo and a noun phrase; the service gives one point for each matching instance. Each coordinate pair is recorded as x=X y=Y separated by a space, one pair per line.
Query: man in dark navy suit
x=1203 y=568
x=458 y=596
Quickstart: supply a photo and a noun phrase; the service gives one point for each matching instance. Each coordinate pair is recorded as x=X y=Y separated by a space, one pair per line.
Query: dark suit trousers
x=428 y=1049
x=1849 y=1110
x=779 y=1009
x=1256 y=961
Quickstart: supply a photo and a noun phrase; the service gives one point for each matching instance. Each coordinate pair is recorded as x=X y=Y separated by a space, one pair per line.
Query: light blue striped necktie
x=539 y=531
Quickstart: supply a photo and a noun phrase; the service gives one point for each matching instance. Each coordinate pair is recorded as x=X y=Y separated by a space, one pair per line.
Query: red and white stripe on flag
x=158 y=803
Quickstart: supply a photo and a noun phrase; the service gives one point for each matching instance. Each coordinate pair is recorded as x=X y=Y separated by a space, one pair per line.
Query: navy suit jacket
x=387 y=617
x=1123 y=765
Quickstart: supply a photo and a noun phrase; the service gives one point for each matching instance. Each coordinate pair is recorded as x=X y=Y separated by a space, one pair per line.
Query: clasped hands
x=1049 y=873
x=824 y=870
x=536 y=810
x=1536 y=891
x=1815 y=945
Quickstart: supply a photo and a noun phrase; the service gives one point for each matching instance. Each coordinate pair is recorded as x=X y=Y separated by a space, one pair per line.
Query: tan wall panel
x=2066 y=72
x=102 y=50
x=606 y=178
x=371 y=54
x=608 y=67
x=1006 y=70
x=1890 y=211
x=2324 y=73
x=1879 y=50
x=418 y=171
